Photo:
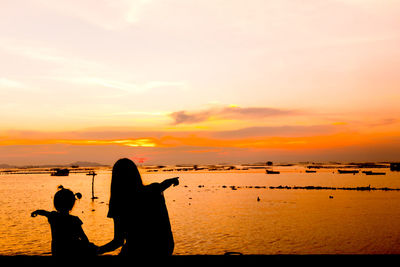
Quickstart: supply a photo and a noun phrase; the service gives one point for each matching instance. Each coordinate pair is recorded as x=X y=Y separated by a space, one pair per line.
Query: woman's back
x=147 y=225
x=141 y=221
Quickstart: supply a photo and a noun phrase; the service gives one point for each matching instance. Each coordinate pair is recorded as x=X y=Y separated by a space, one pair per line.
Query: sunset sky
x=178 y=81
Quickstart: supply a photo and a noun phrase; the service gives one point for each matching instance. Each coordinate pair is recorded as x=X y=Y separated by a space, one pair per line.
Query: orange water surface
x=218 y=212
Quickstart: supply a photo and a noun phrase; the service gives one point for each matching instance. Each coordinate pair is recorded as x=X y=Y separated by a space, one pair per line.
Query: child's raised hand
x=40 y=212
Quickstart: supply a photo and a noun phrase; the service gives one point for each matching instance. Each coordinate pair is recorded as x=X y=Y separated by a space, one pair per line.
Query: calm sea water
x=208 y=217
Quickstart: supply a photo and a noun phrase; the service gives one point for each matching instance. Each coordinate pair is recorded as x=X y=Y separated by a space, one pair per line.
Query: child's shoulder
x=52 y=214
x=75 y=219
x=64 y=217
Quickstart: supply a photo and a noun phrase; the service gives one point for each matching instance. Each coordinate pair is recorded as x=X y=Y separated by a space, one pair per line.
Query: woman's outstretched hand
x=175 y=181
x=168 y=182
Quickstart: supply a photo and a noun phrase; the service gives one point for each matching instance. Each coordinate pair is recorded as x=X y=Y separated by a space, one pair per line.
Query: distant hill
x=86 y=164
x=77 y=163
x=5 y=166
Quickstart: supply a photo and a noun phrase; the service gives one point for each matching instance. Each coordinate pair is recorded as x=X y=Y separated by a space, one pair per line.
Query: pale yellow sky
x=196 y=72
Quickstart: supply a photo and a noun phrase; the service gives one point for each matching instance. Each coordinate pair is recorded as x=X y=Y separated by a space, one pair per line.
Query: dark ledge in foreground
x=271 y=260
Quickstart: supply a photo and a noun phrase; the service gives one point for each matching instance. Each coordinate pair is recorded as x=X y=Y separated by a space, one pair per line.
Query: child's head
x=64 y=199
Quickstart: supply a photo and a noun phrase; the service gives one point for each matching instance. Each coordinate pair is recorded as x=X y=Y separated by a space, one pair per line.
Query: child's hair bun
x=77 y=195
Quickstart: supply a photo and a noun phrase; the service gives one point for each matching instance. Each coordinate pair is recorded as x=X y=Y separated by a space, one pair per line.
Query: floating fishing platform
x=60 y=172
x=348 y=171
x=374 y=173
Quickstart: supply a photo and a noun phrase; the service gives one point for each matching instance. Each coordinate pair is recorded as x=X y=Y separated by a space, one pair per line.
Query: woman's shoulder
x=154 y=187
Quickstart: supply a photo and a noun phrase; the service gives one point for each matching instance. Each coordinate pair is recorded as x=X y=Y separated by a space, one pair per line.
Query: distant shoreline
x=83 y=167
x=309 y=164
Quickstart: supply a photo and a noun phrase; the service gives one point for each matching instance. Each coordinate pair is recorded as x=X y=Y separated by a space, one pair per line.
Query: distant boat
x=310 y=171
x=348 y=171
x=395 y=166
x=373 y=173
x=60 y=172
x=272 y=172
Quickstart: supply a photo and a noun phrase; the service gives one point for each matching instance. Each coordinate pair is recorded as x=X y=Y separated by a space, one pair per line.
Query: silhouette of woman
x=141 y=221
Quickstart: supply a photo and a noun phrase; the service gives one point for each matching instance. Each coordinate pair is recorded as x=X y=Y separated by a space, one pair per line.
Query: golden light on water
x=209 y=217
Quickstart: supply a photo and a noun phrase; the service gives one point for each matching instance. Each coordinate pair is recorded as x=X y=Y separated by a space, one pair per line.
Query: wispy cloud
x=120 y=85
x=231 y=112
x=77 y=70
x=43 y=52
x=31 y=51
x=281 y=131
x=140 y=113
x=108 y=15
x=8 y=83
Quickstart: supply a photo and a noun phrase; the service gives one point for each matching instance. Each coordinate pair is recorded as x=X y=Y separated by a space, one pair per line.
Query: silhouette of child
x=68 y=237
x=141 y=221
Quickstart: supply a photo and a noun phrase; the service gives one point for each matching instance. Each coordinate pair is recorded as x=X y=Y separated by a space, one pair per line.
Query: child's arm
x=89 y=247
x=167 y=183
x=40 y=212
x=82 y=236
x=118 y=240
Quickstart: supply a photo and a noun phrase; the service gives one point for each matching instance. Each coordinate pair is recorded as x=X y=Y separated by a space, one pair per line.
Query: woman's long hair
x=126 y=183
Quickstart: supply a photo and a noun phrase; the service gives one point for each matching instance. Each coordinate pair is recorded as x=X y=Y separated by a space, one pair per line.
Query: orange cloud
x=230 y=112
x=283 y=137
x=197 y=148
x=204 y=151
x=142 y=142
